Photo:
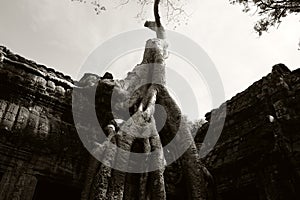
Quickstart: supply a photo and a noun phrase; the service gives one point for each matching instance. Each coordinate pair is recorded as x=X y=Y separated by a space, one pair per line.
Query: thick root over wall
x=106 y=183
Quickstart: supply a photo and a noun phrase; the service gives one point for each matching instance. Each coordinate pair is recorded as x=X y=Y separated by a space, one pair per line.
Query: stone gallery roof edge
x=67 y=82
x=263 y=83
x=38 y=69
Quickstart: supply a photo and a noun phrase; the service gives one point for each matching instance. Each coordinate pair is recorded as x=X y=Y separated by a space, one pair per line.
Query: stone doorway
x=48 y=190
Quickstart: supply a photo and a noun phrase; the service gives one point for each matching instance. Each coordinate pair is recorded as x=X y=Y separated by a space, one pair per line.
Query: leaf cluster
x=271 y=11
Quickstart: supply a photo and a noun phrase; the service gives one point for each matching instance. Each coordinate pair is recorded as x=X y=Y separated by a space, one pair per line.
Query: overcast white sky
x=61 y=35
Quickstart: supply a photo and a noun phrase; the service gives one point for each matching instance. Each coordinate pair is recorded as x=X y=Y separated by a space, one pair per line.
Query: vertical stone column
x=15 y=186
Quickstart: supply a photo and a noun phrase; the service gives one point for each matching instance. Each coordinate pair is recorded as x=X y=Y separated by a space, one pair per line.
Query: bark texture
x=139 y=92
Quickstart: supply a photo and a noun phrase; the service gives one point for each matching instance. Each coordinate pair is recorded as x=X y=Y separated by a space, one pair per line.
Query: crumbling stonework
x=42 y=117
x=257 y=155
x=41 y=156
x=39 y=143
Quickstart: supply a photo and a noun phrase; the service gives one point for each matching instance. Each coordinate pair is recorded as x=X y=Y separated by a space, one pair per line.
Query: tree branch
x=156 y=13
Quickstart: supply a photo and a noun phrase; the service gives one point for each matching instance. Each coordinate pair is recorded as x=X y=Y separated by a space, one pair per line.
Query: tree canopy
x=173 y=11
x=271 y=11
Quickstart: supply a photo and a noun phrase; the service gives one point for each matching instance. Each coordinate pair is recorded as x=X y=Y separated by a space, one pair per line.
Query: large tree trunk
x=113 y=184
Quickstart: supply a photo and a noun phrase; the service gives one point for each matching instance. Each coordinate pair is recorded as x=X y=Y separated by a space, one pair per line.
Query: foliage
x=271 y=11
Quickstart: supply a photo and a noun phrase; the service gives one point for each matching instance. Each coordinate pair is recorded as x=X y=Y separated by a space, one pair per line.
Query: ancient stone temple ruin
x=257 y=155
x=42 y=157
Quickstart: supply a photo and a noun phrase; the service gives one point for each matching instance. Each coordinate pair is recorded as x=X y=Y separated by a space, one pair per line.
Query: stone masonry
x=41 y=156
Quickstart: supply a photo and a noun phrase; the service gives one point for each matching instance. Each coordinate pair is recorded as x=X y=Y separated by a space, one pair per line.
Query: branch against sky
x=173 y=12
x=271 y=11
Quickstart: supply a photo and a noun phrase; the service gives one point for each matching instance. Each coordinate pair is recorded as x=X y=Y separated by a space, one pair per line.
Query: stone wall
x=39 y=146
x=256 y=157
